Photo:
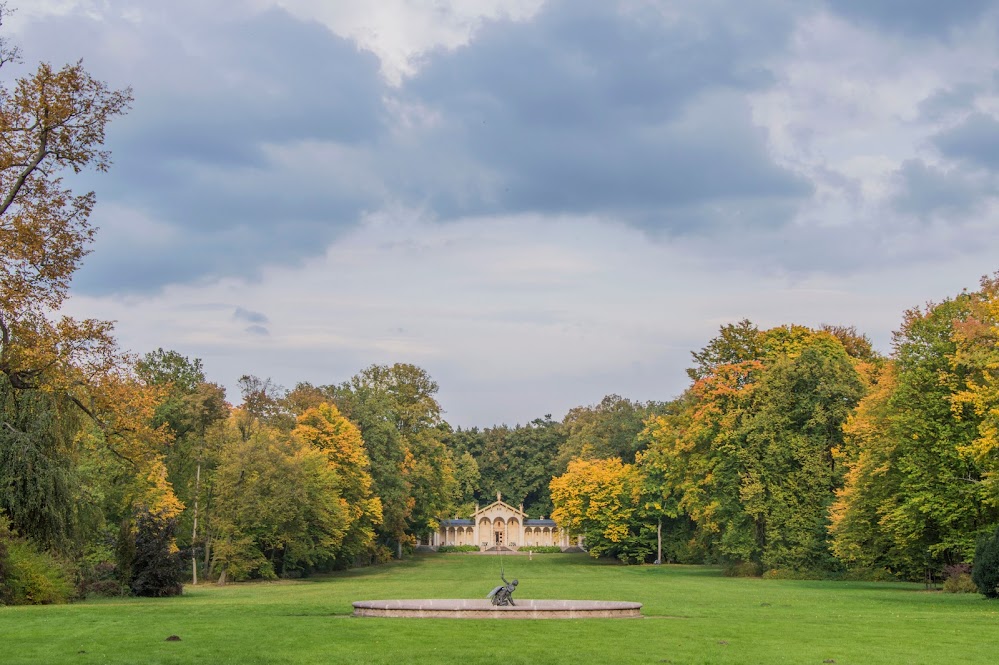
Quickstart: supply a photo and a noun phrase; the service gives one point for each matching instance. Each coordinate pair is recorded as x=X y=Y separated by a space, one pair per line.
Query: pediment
x=500 y=508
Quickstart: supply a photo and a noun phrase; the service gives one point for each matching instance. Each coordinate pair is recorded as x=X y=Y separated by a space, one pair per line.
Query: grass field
x=692 y=615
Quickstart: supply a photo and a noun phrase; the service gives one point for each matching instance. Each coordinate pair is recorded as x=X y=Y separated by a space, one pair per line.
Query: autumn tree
x=277 y=506
x=326 y=430
x=976 y=355
x=919 y=490
x=748 y=453
x=53 y=123
x=601 y=500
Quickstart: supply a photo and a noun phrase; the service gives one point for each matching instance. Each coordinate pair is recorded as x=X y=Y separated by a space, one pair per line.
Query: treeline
x=287 y=483
x=796 y=450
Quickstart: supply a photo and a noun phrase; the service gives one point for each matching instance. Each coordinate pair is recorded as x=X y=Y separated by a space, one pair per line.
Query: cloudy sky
x=539 y=202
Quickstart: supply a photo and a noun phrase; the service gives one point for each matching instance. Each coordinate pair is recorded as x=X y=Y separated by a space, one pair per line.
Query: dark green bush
x=100 y=574
x=156 y=569
x=985 y=571
x=542 y=549
x=5 y=536
x=742 y=569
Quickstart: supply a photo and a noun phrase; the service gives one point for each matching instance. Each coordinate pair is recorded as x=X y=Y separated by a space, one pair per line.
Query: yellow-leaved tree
x=601 y=500
x=52 y=124
x=326 y=430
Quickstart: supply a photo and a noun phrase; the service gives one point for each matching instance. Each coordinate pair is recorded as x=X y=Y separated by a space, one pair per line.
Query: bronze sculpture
x=503 y=594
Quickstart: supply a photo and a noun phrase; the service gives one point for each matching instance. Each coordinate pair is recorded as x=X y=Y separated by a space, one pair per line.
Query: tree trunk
x=659 y=541
x=194 y=528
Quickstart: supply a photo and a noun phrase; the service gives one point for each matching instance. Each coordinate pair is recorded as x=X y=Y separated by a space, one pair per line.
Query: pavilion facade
x=500 y=526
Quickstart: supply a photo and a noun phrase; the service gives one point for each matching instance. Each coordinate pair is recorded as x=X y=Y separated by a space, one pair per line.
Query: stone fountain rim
x=467 y=608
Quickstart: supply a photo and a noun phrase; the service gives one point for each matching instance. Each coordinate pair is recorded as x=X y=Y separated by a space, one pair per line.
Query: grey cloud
x=592 y=108
x=919 y=18
x=926 y=190
x=249 y=316
x=260 y=331
x=949 y=100
x=211 y=97
x=974 y=141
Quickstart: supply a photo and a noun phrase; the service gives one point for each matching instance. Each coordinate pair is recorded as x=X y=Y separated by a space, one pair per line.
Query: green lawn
x=692 y=615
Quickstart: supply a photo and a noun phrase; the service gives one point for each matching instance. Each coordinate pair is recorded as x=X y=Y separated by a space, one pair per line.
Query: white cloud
x=400 y=32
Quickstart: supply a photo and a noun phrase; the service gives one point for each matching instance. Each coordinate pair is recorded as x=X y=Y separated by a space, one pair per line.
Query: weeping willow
x=39 y=486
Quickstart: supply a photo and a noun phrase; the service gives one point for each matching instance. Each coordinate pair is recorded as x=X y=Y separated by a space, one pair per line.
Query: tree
x=400 y=421
x=51 y=122
x=790 y=472
x=748 y=452
x=323 y=428
x=985 y=572
x=189 y=407
x=977 y=356
x=735 y=343
x=277 y=506
x=156 y=566
x=612 y=428
x=263 y=404
x=915 y=497
x=601 y=499
x=39 y=482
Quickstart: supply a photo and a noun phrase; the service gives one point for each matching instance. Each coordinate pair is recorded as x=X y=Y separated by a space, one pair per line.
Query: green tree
x=985 y=572
x=277 y=506
x=748 y=452
x=790 y=473
x=189 y=407
x=915 y=488
x=612 y=428
x=400 y=421
x=518 y=462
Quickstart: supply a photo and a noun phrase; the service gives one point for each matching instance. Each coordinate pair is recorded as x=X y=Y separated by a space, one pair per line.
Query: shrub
x=5 y=536
x=100 y=574
x=985 y=572
x=960 y=584
x=742 y=569
x=381 y=554
x=156 y=569
x=785 y=574
x=28 y=575
x=870 y=575
x=446 y=549
x=542 y=549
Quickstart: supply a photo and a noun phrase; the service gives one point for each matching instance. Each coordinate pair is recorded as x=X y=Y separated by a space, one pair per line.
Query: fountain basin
x=465 y=608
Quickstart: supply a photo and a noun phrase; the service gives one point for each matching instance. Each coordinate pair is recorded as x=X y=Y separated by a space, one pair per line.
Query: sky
x=538 y=202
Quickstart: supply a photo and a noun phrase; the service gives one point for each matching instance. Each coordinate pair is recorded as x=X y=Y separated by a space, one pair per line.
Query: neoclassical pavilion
x=500 y=525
